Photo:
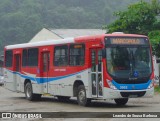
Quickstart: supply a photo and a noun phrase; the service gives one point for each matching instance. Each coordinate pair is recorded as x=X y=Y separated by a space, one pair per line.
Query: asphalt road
x=16 y=102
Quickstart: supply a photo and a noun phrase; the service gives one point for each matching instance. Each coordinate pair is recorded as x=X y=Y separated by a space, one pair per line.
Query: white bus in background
x=156 y=69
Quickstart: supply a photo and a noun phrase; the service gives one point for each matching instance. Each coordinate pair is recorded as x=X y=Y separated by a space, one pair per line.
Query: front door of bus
x=45 y=69
x=17 y=77
x=96 y=72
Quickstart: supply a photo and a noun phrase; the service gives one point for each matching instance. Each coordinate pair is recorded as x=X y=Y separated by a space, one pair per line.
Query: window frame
x=65 y=56
x=25 y=58
x=83 y=46
x=28 y=58
x=9 y=62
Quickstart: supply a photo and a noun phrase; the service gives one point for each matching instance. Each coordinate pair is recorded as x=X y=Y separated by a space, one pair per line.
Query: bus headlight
x=111 y=85
x=151 y=84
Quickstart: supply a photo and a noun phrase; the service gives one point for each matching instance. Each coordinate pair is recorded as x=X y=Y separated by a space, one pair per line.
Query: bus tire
x=29 y=93
x=81 y=96
x=121 y=101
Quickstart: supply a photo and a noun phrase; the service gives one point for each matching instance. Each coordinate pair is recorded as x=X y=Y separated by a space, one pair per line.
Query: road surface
x=16 y=102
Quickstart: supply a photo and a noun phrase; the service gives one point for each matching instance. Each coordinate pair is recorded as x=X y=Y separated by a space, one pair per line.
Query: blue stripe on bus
x=131 y=86
x=44 y=79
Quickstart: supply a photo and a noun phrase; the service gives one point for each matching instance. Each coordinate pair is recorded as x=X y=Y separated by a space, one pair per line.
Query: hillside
x=21 y=19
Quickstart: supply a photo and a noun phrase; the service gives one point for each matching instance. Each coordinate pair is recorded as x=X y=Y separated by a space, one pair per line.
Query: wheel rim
x=82 y=96
x=28 y=91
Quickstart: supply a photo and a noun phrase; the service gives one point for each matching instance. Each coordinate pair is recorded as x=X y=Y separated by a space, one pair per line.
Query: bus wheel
x=29 y=93
x=81 y=96
x=121 y=101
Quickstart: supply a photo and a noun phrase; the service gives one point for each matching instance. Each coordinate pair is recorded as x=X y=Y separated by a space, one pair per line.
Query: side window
x=61 y=55
x=33 y=57
x=8 y=58
x=76 y=55
x=24 y=58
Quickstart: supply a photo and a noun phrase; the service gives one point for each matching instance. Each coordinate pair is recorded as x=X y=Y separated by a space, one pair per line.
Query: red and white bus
x=109 y=66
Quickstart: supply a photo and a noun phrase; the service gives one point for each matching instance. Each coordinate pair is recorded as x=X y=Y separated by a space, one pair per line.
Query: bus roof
x=68 y=40
x=41 y=43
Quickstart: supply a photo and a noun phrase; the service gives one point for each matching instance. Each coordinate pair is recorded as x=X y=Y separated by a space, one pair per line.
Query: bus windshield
x=128 y=61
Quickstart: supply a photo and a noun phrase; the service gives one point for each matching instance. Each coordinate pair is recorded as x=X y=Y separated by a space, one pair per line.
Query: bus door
x=45 y=69
x=17 y=69
x=96 y=72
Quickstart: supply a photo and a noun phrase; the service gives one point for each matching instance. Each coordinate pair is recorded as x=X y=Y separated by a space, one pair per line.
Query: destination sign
x=126 y=41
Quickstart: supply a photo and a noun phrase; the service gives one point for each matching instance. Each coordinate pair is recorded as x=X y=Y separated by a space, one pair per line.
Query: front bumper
x=113 y=94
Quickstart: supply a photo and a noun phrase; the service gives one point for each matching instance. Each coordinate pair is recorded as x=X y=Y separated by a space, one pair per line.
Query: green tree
x=138 y=18
x=155 y=41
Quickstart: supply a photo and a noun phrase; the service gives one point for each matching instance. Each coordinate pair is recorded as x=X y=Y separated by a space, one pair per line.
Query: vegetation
x=157 y=89
x=140 y=18
x=21 y=19
x=155 y=40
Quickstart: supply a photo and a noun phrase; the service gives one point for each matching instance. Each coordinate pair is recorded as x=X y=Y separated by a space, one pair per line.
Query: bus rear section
x=9 y=77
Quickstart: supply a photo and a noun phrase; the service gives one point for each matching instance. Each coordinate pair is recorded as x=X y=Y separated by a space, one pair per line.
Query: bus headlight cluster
x=111 y=85
x=151 y=84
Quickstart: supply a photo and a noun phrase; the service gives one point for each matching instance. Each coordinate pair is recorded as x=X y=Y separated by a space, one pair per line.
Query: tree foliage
x=138 y=18
x=155 y=40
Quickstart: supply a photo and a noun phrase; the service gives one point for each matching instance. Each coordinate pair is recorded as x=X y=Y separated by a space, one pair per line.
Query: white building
x=48 y=34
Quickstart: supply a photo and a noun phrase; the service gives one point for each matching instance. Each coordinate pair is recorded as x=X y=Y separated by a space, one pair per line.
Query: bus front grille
x=133 y=94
